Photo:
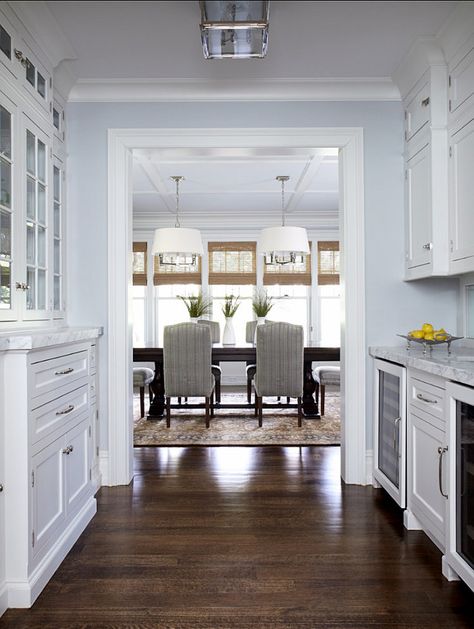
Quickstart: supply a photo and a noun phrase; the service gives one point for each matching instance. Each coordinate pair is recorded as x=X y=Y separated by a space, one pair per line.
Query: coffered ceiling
x=236 y=189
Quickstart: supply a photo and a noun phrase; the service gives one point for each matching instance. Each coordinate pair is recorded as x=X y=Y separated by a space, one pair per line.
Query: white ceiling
x=236 y=188
x=132 y=40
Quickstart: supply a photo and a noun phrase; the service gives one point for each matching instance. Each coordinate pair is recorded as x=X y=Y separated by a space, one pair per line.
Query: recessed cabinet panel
x=48 y=494
x=418 y=204
x=48 y=375
x=462 y=84
x=462 y=194
x=418 y=111
x=428 y=475
x=78 y=466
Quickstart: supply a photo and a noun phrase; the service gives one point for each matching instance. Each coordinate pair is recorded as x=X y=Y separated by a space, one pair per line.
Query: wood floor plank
x=216 y=538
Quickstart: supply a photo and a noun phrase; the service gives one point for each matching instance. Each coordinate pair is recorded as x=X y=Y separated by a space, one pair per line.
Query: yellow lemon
x=416 y=334
x=429 y=336
x=427 y=328
x=440 y=336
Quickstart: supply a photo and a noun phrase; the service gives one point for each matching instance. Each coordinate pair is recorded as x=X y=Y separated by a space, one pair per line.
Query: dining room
x=236 y=282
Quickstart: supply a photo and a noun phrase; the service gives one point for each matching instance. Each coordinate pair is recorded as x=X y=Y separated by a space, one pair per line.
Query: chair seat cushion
x=327 y=375
x=142 y=376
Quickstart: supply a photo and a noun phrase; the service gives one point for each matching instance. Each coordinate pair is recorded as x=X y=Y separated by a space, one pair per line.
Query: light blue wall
x=392 y=305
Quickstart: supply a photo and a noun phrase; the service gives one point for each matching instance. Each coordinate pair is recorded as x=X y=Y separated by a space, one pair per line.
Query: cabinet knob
x=425 y=102
x=19 y=55
x=1 y=488
x=428 y=245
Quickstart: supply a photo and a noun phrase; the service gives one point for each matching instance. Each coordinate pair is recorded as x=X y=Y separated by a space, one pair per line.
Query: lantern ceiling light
x=283 y=244
x=177 y=245
x=234 y=30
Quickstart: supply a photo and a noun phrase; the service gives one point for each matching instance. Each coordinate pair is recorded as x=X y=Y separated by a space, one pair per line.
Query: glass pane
x=5 y=42
x=41 y=161
x=138 y=262
x=57 y=257
x=5 y=132
x=57 y=293
x=41 y=246
x=330 y=316
x=465 y=481
x=470 y=311
x=40 y=84
x=30 y=72
x=57 y=220
x=138 y=314
x=56 y=118
x=5 y=234
x=290 y=310
x=56 y=184
x=30 y=244
x=30 y=198
x=31 y=292
x=41 y=290
x=30 y=153
x=5 y=183
x=389 y=413
x=5 y=287
x=41 y=204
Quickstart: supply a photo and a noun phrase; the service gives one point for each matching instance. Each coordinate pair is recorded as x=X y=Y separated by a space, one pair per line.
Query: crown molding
x=425 y=53
x=173 y=90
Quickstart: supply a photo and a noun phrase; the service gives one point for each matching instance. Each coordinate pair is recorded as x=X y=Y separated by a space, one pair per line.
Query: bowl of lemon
x=428 y=336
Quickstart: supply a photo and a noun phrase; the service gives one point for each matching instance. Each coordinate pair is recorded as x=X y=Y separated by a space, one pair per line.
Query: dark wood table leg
x=310 y=387
x=157 y=406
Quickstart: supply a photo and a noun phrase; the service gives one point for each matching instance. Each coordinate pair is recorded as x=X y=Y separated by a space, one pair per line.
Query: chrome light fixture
x=283 y=244
x=235 y=30
x=177 y=245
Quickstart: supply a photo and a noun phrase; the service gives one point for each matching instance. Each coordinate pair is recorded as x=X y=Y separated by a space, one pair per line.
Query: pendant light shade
x=177 y=245
x=283 y=244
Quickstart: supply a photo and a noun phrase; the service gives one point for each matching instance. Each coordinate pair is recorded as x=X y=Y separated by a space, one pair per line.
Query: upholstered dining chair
x=187 y=365
x=250 y=328
x=280 y=350
x=143 y=377
x=215 y=338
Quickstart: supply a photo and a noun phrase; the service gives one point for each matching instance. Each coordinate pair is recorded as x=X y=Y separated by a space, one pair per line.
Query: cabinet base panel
x=448 y=572
x=24 y=593
x=410 y=522
x=3 y=598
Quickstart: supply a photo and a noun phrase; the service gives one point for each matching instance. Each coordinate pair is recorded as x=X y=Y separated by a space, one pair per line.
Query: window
x=176 y=274
x=233 y=271
x=291 y=304
x=297 y=273
x=329 y=293
x=140 y=264
x=169 y=308
x=139 y=315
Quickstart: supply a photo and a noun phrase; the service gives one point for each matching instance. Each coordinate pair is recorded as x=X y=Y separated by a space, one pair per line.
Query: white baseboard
x=233 y=380
x=3 y=598
x=369 y=467
x=24 y=593
x=104 y=466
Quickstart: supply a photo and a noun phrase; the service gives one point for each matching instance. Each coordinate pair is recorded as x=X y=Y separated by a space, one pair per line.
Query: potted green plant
x=230 y=307
x=197 y=306
x=261 y=305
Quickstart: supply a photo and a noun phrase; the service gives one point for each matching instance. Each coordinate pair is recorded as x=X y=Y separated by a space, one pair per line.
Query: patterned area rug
x=239 y=427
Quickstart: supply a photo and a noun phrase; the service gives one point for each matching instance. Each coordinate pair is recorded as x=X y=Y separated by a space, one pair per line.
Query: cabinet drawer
x=461 y=84
x=418 y=111
x=93 y=358
x=48 y=376
x=60 y=412
x=427 y=397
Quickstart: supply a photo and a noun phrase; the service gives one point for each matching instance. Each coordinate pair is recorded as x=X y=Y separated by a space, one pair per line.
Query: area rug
x=239 y=427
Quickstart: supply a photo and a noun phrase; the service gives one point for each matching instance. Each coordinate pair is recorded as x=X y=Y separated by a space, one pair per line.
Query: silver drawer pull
x=441 y=452
x=66 y=410
x=68 y=450
x=428 y=245
x=425 y=399
x=425 y=102
x=64 y=372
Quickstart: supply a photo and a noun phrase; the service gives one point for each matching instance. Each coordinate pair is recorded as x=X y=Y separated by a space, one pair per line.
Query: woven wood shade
x=232 y=262
x=328 y=262
x=139 y=263
x=288 y=274
x=181 y=274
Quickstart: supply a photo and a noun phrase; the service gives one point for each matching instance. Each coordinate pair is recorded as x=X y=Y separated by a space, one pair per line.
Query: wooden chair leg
x=249 y=390
x=179 y=400
x=212 y=404
x=260 y=412
x=168 y=412
x=150 y=395
x=287 y=400
x=218 y=390
x=142 y=401
x=323 y=396
x=256 y=404
x=207 y=411
x=300 y=413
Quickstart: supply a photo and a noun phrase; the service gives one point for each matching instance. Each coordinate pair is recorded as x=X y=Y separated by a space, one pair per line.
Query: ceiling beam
x=157 y=182
x=306 y=179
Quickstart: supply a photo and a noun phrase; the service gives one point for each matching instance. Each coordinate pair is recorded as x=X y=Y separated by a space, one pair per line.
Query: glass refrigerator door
x=389 y=434
x=465 y=481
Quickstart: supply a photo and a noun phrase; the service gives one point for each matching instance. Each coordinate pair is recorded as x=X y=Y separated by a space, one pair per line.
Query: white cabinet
x=461 y=198
x=3 y=588
x=48 y=449
x=418 y=208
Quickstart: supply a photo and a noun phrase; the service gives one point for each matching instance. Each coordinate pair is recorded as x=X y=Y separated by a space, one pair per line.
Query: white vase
x=229 y=334
x=193 y=319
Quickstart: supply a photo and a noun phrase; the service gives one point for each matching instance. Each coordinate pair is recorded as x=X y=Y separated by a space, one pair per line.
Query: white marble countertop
x=36 y=338
x=458 y=366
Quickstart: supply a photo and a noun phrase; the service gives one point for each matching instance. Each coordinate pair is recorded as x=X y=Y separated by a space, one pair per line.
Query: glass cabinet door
x=58 y=232
x=36 y=224
x=7 y=246
x=389 y=434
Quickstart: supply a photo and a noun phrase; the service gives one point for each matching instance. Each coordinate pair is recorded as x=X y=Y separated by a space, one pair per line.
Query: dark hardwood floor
x=215 y=538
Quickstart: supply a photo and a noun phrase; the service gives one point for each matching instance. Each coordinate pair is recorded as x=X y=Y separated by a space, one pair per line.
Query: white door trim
x=121 y=142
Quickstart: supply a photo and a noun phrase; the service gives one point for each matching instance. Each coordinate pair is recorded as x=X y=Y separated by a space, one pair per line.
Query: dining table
x=245 y=353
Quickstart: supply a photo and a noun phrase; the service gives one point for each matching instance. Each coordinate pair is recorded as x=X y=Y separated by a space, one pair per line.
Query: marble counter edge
x=460 y=372
x=36 y=339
